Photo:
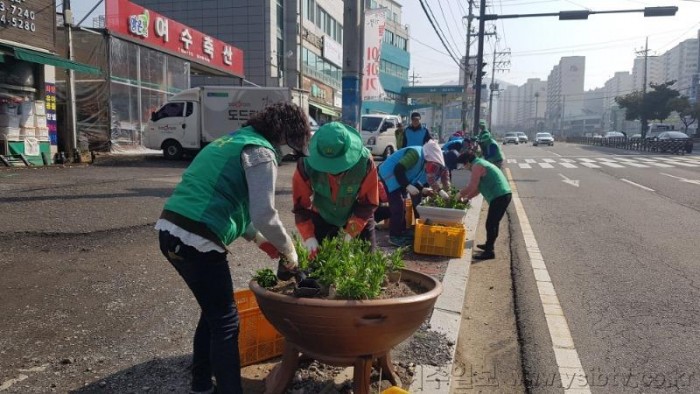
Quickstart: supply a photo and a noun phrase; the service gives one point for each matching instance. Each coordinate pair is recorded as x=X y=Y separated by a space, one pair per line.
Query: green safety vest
x=214 y=190
x=337 y=212
x=494 y=184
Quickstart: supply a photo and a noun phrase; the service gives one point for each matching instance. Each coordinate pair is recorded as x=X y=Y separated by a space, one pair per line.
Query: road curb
x=447 y=313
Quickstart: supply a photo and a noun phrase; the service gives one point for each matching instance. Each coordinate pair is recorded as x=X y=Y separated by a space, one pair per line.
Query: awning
x=326 y=109
x=53 y=60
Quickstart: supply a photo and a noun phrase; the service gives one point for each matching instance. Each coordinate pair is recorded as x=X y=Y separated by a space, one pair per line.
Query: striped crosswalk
x=606 y=162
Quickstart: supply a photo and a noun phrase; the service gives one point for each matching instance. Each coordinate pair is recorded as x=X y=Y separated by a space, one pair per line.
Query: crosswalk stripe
x=568 y=160
x=662 y=165
x=634 y=164
x=568 y=165
x=531 y=161
x=611 y=164
x=587 y=160
x=523 y=165
x=604 y=159
x=511 y=161
x=549 y=160
x=546 y=165
x=681 y=163
x=645 y=159
x=590 y=165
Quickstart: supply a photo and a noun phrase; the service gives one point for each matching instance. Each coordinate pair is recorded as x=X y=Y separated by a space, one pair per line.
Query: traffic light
x=483 y=72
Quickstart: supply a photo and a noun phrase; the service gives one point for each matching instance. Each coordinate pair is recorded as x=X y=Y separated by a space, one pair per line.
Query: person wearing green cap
x=490 y=149
x=335 y=188
x=493 y=185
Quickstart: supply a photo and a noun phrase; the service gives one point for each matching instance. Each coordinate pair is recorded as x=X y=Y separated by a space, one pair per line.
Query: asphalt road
x=619 y=236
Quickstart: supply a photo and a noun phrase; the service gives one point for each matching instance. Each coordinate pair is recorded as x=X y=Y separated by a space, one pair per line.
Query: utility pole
x=644 y=88
x=414 y=78
x=465 y=94
x=353 y=26
x=492 y=87
x=479 y=61
x=72 y=137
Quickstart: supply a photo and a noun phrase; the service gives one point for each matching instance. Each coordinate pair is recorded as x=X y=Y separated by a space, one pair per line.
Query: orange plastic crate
x=257 y=338
x=439 y=239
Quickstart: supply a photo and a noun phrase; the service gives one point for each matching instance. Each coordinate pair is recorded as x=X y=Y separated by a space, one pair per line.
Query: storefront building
x=145 y=57
x=29 y=67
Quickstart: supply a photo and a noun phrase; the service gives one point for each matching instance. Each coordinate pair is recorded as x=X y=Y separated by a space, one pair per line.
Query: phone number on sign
x=17 y=16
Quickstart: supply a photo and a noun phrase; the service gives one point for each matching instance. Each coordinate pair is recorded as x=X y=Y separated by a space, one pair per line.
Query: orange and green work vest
x=214 y=190
x=493 y=184
x=337 y=209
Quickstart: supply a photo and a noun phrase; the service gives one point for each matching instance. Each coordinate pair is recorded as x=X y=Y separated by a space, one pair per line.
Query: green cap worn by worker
x=335 y=148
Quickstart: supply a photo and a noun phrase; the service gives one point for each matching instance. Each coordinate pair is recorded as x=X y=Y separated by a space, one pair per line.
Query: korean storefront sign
x=29 y=22
x=139 y=24
x=332 y=51
x=375 y=22
x=319 y=92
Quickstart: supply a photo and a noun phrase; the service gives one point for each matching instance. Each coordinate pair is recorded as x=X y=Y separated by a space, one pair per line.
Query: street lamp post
x=563 y=15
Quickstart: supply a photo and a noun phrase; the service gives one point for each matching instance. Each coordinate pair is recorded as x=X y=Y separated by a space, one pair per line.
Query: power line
x=434 y=19
x=423 y=5
x=452 y=14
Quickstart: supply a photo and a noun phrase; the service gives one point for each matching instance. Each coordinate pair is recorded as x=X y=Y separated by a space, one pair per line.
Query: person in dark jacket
x=415 y=134
x=228 y=192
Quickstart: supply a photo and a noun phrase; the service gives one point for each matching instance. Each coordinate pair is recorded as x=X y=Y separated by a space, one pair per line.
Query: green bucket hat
x=482 y=122
x=334 y=148
x=485 y=137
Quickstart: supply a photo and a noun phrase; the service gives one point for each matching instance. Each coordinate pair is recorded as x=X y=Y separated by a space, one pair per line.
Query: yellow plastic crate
x=439 y=239
x=395 y=390
x=257 y=338
x=410 y=219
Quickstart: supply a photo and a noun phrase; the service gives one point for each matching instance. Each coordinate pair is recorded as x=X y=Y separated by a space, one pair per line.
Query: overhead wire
x=442 y=40
x=453 y=46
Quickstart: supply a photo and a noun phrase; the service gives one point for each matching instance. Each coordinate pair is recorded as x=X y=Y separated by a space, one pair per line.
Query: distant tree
x=656 y=104
x=687 y=111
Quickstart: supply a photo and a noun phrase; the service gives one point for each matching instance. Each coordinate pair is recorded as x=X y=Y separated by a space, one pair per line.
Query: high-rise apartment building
x=655 y=71
x=680 y=64
x=565 y=89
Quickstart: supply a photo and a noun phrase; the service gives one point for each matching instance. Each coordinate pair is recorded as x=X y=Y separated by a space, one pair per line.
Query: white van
x=378 y=133
x=195 y=117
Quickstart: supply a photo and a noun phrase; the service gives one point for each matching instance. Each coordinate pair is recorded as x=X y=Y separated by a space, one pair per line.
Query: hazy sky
x=608 y=41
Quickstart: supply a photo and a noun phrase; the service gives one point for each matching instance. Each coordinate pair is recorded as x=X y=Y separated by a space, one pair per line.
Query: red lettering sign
x=138 y=24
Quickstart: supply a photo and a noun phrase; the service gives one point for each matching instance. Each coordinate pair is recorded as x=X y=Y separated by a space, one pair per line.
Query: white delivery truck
x=378 y=133
x=195 y=117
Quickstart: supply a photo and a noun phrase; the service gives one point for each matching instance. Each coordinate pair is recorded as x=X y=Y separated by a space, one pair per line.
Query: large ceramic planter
x=344 y=332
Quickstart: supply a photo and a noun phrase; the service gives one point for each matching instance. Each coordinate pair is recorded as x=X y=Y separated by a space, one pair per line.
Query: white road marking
x=680 y=163
x=686 y=180
x=610 y=164
x=511 y=161
x=645 y=159
x=662 y=165
x=571 y=182
x=604 y=159
x=555 y=153
x=590 y=165
x=546 y=165
x=531 y=161
x=638 y=185
x=568 y=165
x=567 y=359
x=523 y=165
x=568 y=160
x=634 y=164
x=549 y=160
x=587 y=160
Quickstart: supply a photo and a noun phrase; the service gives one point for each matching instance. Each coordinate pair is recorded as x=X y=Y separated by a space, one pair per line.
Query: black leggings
x=497 y=208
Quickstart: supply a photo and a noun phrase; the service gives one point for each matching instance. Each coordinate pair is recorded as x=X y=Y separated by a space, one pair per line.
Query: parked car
x=379 y=133
x=543 y=139
x=668 y=136
x=636 y=137
x=522 y=137
x=614 y=134
x=510 y=138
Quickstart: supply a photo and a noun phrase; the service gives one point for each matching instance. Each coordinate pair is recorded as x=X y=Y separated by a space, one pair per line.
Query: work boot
x=485 y=255
x=481 y=246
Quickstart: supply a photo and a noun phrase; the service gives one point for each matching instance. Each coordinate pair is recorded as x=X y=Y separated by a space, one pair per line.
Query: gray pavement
x=622 y=260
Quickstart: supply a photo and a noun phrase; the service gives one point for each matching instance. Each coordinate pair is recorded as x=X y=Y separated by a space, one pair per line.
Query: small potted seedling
x=265 y=278
x=395 y=264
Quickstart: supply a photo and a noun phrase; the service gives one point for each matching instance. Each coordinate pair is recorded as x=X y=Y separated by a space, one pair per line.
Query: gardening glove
x=412 y=190
x=290 y=260
x=266 y=246
x=444 y=195
x=427 y=191
x=311 y=245
x=347 y=237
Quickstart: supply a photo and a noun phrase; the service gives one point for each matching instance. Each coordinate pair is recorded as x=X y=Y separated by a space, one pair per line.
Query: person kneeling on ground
x=335 y=188
x=488 y=180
